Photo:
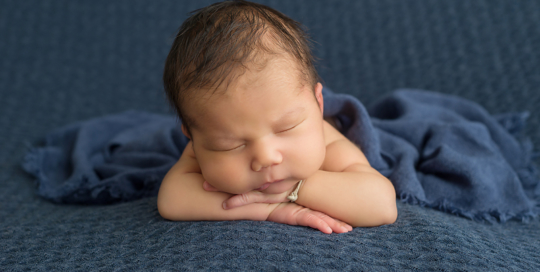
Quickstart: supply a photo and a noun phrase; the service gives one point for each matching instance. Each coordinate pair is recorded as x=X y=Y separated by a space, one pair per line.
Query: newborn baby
x=242 y=80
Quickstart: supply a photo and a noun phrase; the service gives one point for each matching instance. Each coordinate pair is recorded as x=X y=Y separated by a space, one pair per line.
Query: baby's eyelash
x=291 y=127
x=234 y=148
x=287 y=129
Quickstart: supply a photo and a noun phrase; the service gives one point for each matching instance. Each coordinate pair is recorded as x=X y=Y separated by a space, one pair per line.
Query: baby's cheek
x=309 y=155
x=226 y=176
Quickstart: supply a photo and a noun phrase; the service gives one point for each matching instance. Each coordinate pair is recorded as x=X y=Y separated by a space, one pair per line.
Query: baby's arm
x=182 y=197
x=347 y=187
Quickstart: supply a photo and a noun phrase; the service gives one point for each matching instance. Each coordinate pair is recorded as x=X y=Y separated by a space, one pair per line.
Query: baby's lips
x=263 y=187
x=208 y=187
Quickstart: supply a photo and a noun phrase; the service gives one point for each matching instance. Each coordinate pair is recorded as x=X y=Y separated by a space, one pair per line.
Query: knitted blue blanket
x=439 y=151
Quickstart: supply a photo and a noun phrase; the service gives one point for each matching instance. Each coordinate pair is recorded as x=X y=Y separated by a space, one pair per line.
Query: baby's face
x=264 y=133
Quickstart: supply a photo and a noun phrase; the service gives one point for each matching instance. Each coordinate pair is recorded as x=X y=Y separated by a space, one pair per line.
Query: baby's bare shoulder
x=187 y=163
x=188 y=150
x=331 y=134
x=340 y=152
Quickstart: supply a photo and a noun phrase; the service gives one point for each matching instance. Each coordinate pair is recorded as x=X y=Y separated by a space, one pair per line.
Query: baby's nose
x=265 y=155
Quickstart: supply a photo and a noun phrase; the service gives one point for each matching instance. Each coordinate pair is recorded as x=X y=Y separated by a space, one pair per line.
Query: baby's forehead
x=280 y=66
x=228 y=97
x=202 y=111
x=247 y=77
x=276 y=78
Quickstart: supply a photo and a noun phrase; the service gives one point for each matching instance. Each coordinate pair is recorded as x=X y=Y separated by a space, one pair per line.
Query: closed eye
x=234 y=148
x=285 y=130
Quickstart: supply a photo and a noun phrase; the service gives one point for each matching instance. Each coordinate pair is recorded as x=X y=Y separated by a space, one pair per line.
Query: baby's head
x=242 y=79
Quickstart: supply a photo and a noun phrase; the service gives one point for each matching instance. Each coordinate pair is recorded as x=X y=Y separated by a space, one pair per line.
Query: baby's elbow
x=379 y=217
x=169 y=208
x=173 y=212
x=386 y=212
x=164 y=209
x=389 y=213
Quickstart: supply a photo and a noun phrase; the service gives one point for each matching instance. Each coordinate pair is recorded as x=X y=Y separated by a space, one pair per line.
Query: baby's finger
x=240 y=200
x=251 y=197
x=342 y=225
x=311 y=219
x=337 y=226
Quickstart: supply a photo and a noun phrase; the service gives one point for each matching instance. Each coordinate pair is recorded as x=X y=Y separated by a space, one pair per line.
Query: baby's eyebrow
x=221 y=142
x=291 y=113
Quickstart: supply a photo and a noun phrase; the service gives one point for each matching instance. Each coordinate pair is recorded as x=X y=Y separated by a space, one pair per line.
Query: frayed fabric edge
x=491 y=216
x=33 y=165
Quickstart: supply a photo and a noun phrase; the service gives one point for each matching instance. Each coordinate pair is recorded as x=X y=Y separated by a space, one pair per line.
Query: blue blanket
x=439 y=151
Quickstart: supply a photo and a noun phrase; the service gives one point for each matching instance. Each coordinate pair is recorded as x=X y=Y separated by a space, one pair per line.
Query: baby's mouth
x=266 y=185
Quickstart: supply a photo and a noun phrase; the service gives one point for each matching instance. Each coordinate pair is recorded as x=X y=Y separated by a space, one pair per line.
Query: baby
x=242 y=79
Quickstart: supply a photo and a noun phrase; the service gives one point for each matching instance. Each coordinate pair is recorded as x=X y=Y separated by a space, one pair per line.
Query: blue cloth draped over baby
x=439 y=151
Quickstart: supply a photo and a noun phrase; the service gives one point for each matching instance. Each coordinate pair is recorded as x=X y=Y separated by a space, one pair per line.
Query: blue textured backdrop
x=63 y=61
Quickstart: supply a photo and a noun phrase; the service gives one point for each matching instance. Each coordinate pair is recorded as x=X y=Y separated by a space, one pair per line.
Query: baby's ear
x=186 y=131
x=319 y=96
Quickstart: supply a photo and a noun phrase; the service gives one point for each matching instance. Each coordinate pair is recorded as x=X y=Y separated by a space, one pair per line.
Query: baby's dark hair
x=217 y=40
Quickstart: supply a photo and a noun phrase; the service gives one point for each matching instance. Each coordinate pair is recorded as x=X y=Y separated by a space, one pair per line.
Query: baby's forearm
x=357 y=197
x=182 y=198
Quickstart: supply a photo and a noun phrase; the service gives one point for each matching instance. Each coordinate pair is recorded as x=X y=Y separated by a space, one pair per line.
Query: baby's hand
x=250 y=197
x=293 y=214
x=286 y=213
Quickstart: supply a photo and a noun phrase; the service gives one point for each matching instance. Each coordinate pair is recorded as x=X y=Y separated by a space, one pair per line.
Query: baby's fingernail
x=224 y=205
x=344 y=229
